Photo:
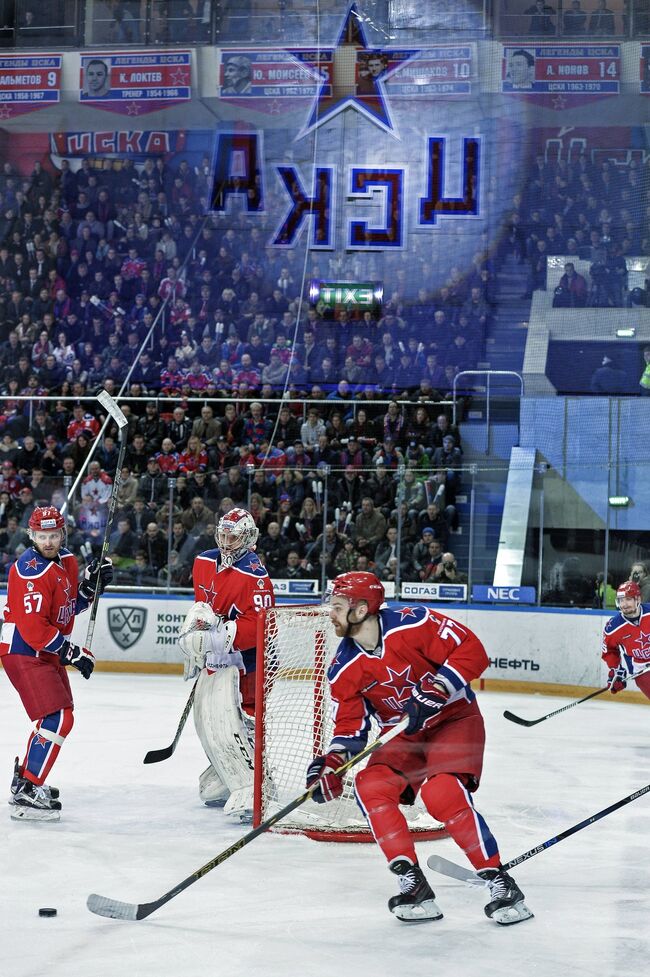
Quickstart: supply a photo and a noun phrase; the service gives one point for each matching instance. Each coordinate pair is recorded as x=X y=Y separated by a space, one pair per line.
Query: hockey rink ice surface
x=290 y=907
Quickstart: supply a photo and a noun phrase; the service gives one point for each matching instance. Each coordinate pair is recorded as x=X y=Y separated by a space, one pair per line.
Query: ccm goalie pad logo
x=126 y=625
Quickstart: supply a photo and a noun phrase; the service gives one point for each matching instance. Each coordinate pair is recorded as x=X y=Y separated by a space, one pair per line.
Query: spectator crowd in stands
x=88 y=261
x=596 y=212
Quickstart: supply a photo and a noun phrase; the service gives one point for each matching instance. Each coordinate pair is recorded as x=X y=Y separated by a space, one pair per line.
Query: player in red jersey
x=42 y=602
x=411 y=661
x=626 y=640
x=231 y=588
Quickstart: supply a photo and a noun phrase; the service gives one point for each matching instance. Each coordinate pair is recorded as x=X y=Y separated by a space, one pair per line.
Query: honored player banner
x=136 y=81
x=443 y=70
x=645 y=69
x=274 y=74
x=567 y=69
x=28 y=82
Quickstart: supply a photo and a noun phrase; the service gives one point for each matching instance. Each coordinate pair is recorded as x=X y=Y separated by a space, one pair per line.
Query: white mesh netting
x=294 y=724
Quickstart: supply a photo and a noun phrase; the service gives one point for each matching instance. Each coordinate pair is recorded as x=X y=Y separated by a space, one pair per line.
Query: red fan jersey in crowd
x=85 y=425
x=189 y=462
x=168 y=462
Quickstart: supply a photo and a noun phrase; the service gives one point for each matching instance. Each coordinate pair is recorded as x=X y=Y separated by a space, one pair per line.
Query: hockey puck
x=47 y=911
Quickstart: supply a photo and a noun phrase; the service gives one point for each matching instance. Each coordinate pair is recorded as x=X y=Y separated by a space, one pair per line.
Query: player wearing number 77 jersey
x=234 y=584
x=414 y=662
x=626 y=640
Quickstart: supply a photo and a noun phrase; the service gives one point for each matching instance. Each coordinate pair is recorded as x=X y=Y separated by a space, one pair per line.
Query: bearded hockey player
x=43 y=600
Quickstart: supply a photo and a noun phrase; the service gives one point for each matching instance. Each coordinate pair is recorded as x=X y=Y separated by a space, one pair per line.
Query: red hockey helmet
x=359 y=586
x=46 y=518
x=629 y=590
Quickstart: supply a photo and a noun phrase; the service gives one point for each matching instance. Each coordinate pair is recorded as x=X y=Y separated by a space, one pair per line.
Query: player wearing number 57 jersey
x=42 y=602
x=626 y=640
x=234 y=584
x=413 y=662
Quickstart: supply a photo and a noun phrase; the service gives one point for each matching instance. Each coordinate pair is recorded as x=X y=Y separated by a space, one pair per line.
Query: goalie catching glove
x=94 y=574
x=427 y=699
x=206 y=639
x=321 y=771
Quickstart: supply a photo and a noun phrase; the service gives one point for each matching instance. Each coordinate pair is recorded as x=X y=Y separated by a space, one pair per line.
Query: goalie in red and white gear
x=414 y=662
x=626 y=640
x=43 y=599
x=218 y=639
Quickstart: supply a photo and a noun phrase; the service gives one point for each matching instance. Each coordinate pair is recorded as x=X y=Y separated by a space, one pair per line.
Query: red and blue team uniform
x=443 y=762
x=627 y=643
x=42 y=602
x=239 y=593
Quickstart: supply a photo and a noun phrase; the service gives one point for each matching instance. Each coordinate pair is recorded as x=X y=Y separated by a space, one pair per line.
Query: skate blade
x=20 y=813
x=512 y=914
x=422 y=912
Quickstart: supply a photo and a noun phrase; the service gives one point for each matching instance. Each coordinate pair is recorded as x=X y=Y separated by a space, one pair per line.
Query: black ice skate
x=32 y=803
x=18 y=779
x=506 y=904
x=416 y=901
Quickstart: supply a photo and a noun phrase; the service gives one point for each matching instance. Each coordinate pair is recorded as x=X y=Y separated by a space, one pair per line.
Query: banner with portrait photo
x=443 y=70
x=29 y=82
x=568 y=73
x=645 y=69
x=135 y=82
x=265 y=74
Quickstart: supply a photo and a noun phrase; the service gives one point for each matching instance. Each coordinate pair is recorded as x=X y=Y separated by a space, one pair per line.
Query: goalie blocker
x=231 y=588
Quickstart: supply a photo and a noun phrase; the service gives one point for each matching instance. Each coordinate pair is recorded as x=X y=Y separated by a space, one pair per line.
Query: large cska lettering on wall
x=313 y=199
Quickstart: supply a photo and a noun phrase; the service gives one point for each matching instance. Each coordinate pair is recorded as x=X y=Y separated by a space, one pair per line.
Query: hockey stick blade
x=110 y=405
x=156 y=756
x=445 y=867
x=556 y=712
x=522 y=722
x=113 y=909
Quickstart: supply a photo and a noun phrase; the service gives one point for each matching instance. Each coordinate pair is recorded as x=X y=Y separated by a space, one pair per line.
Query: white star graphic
x=179 y=77
x=133 y=108
x=5 y=111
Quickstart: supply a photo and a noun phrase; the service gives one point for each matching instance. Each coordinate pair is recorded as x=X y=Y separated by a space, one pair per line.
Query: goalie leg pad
x=223 y=734
x=212 y=789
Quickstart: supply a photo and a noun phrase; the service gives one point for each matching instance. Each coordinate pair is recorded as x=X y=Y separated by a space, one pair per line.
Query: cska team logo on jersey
x=66 y=611
x=126 y=625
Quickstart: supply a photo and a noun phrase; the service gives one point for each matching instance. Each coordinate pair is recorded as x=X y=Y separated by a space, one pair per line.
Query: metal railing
x=489 y=375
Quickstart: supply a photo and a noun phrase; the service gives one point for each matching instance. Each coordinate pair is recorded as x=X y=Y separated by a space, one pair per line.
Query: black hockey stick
x=155 y=756
x=107 y=401
x=592 y=695
x=445 y=867
x=102 y=906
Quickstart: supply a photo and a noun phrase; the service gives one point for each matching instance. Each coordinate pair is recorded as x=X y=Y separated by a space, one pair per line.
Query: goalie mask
x=628 y=599
x=46 y=530
x=236 y=535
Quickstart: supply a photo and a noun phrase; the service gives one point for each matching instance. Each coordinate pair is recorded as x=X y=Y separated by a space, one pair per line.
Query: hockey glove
x=427 y=699
x=617 y=679
x=78 y=657
x=94 y=573
x=321 y=771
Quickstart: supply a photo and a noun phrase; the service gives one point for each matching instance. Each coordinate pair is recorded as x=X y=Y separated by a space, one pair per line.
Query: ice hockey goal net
x=296 y=643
